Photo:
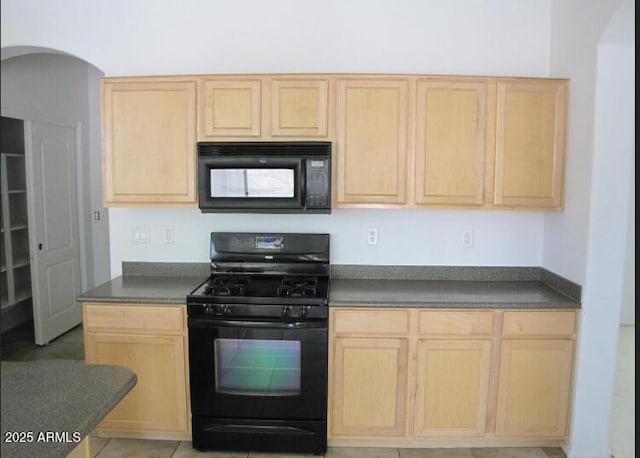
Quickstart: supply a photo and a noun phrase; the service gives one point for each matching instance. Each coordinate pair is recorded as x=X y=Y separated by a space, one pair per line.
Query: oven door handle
x=203 y=323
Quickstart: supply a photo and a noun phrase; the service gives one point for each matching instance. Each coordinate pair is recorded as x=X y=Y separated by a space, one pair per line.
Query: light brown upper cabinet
x=372 y=138
x=530 y=143
x=263 y=108
x=299 y=108
x=229 y=108
x=399 y=141
x=148 y=141
x=450 y=153
x=474 y=142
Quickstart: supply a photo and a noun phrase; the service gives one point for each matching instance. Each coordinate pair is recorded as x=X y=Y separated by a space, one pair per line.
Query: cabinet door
x=369 y=387
x=530 y=143
x=158 y=401
x=372 y=131
x=229 y=108
x=452 y=387
x=450 y=142
x=149 y=142
x=534 y=386
x=299 y=108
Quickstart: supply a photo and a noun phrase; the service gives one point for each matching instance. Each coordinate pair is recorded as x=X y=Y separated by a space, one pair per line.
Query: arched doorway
x=55 y=95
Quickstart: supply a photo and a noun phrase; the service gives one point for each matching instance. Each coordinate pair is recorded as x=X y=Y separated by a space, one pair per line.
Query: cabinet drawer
x=456 y=322
x=145 y=319
x=550 y=323
x=368 y=322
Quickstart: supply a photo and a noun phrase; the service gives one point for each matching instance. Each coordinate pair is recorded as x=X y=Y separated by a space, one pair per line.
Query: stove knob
x=206 y=308
x=226 y=311
x=285 y=311
x=304 y=311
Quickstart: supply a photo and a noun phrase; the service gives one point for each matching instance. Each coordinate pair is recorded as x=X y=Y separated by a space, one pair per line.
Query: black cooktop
x=262 y=288
x=277 y=269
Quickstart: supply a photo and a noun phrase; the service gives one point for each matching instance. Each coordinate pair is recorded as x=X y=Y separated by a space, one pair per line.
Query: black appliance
x=258 y=344
x=264 y=177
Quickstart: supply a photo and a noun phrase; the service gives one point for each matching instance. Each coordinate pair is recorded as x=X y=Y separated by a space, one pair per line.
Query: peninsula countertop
x=378 y=286
x=153 y=289
x=49 y=406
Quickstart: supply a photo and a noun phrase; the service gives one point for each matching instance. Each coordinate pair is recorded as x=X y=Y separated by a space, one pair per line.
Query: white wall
x=405 y=236
x=628 y=311
x=576 y=30
x=606 y=253
x=596 y=49
x=145 y=37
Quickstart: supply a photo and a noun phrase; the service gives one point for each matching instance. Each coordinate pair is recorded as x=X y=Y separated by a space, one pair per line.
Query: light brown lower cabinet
x=451 y=390
x=410 y=376
x=368 y=373
x=150 y=340
x=536 y=364
x=370 y=386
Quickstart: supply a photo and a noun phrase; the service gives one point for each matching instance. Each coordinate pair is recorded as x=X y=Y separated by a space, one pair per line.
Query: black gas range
x=256 y=275
x=258 y=334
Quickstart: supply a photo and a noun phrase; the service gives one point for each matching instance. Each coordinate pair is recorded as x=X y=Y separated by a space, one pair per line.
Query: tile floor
x=117 y=448
x=19 y=346
x=623 y=423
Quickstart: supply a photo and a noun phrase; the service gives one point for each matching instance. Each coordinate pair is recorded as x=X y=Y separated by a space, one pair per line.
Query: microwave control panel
x=318 y=173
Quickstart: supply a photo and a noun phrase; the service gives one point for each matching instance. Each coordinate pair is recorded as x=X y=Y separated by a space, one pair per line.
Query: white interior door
x=53 y=228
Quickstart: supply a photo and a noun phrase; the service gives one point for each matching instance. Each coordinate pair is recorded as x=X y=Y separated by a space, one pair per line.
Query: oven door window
x=252 y=183
x=255 y=370
x=257 y=367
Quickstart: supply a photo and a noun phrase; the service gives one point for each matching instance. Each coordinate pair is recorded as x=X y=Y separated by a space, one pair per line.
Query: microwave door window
x=252 y=183
x=228 y=183
x=277 y=183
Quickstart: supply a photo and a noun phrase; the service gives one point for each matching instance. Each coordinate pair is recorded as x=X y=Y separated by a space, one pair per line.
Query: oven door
x=251 y=183
x=258 y=370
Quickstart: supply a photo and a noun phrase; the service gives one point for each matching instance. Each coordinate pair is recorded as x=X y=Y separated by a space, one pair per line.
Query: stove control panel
x=216 y=309
x=240 y=311
x=295 y=311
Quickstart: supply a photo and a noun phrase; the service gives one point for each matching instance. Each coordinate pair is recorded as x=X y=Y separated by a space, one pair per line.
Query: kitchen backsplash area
x=402 y=237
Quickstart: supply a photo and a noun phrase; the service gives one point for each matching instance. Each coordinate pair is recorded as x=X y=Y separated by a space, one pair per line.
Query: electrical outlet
x=168 y=234
x=140 y=234
x=372 y=236
x=467 y=239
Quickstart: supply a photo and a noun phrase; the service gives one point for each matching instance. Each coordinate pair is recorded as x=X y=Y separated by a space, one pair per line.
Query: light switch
x=140 y=234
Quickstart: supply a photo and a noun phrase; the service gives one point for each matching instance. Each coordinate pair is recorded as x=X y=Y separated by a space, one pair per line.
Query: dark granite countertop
x=53 y=404
x=143 y=289
x=451 y=287
x=353 y=285
x=446 y=294
x=150 y=283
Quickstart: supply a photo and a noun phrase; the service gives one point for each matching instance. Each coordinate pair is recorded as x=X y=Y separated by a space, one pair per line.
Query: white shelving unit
x=15 y=267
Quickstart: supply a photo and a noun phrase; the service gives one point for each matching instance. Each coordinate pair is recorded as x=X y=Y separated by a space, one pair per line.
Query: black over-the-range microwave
x=264 y=177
